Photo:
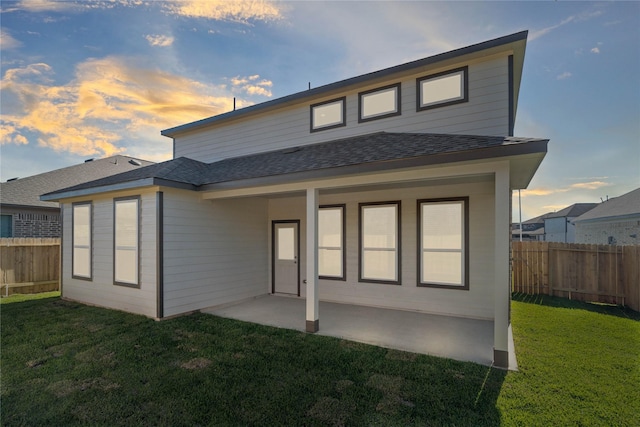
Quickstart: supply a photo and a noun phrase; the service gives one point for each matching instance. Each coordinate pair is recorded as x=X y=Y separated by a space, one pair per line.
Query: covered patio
x=463 y=339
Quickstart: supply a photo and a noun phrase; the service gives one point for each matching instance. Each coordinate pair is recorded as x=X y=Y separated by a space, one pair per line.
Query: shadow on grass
x=549 y=301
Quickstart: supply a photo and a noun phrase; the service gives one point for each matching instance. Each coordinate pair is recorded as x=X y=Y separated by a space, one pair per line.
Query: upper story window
x=379 y=103
x=441 y=89
x=329 y=114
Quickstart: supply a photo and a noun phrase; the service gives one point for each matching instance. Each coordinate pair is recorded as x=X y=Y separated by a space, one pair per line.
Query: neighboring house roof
x=364 y=153
x=572 y=211
x=514 y=42
x=625 y=206
x=25 y=192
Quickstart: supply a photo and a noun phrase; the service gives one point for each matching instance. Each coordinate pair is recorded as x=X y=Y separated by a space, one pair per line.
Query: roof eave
x=122 y=186
x=537 y=149
x=514 y=43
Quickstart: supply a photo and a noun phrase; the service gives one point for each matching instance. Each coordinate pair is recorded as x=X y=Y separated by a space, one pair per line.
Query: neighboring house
x=25 y=215
x=532 y=229
x=558 y=226
x=614 y=222
x=390 y=189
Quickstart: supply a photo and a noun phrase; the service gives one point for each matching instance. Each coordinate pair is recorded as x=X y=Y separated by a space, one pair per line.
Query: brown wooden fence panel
x=29 y=265
x=596 y=273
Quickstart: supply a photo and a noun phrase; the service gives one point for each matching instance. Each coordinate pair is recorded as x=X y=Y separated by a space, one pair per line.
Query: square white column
x=312 y=324
x=502 y=284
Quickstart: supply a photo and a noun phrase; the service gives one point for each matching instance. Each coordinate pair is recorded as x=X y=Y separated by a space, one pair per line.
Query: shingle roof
x=377 y=148
x=573 y=211
x=625 y=205
x=26 y=191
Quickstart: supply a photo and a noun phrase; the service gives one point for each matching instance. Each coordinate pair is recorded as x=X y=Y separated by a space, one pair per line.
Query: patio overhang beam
x=357 y=180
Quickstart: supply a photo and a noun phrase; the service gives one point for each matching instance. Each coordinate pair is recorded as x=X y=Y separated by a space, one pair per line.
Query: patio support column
x=312 y=260
x=502 y=283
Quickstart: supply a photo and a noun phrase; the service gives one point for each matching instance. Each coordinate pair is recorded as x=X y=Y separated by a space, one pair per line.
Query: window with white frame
x=126 y=240
x=81 y=237
x=443 y=239
x=331 y=242
x=329 y=114
x=380 y=242
x=379 y=103
x=442 y=89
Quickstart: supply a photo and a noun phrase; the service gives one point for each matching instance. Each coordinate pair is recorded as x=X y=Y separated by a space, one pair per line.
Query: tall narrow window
x=81 y=230
x=380 y=242
x=126 y=241
x=443 y=236
x=439 y=90
x=331 y=242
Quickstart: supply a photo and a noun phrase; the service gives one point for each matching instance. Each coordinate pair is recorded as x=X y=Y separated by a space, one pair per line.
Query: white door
x=286 y=267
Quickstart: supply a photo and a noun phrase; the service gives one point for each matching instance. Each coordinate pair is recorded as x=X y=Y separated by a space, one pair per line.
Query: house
x=532 y=229
x=614 y=222
x=25 y=215
x=558 y=226
x=391 y=189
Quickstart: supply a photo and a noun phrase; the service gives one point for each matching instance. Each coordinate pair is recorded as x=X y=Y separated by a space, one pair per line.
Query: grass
x=69 y=364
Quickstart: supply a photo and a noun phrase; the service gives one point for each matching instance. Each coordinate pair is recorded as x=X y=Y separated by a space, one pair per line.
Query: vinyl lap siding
x=477 y=302
x=214 y=252
x=101 y=291
x=486 y=113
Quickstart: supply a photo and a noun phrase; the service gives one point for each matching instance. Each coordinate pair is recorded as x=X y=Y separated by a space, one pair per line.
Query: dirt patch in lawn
x=66 y=387
x=391 y=387
x=197 y=363
x=332 y=411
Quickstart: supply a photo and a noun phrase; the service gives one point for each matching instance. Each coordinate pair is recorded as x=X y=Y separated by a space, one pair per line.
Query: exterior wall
x=100 y=290
x=617 y=232
x=33 y=223
x=477 y=302
x=215 y=252
x=556 y=229
x=486 y=113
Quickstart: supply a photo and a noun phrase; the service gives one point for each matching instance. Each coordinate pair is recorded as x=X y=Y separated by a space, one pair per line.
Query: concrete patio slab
x=452 y=337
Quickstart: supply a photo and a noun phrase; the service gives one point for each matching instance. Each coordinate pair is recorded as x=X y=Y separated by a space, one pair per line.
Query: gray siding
x=215 y=252
x=100 y=290
x=486 y=113
x=477 y=302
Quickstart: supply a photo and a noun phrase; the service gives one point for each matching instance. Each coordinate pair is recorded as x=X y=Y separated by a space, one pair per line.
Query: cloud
x=564 y=75
x=595 y=50
x=44 y=5
x=7 y=41
x=589 y=185
x=584 y=16
x=225 y=10
x=251 y=85
x=159 y=40
x=109 y=104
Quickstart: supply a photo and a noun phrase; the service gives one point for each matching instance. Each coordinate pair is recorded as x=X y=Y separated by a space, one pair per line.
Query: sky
x=90 y=79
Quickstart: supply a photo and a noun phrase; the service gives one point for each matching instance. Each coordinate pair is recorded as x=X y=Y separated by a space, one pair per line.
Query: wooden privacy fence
x=29 y=265
x=595 y=273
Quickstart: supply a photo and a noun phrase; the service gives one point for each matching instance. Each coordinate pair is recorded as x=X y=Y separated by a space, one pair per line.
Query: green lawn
x=69 y=364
